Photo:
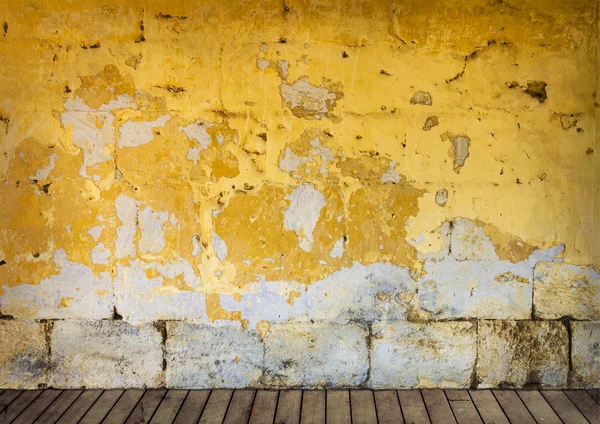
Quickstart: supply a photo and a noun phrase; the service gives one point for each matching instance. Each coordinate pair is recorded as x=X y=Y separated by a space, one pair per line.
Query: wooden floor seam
x=331 y=406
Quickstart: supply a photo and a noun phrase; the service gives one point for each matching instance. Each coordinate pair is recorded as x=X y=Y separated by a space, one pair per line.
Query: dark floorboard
x=162 y=406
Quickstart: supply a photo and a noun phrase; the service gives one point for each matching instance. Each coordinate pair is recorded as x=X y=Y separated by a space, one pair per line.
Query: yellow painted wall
x=265 y=76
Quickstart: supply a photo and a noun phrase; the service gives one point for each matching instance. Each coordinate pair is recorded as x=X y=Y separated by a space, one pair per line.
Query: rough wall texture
x=299 y=193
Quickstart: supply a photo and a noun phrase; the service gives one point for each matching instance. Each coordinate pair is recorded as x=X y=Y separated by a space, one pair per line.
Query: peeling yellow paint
x=211 y=142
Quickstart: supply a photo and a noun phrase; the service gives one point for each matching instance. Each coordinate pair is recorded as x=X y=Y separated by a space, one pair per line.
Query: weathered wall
x=299 y=193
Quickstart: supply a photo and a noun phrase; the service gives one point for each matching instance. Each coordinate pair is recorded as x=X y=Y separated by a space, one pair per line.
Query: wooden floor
x=298 y=406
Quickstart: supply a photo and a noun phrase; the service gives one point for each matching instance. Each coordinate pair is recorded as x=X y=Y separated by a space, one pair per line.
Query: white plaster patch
x=302 y=94
x=152 y=239
x=391 y=175
x=138 y=133
x=139 y=297
x=95 y=232
x=475 y=289
x=219 y=246
x=303 y=214
x=75 y=281
x=100 y=254
x=323 y=152
x=367 y=292
x=338 y=248
x=93 y=130
x=262 y=64
x=42 y=173
x=291 y=161
x=127 y=214
x=196 y=246
x=284 y=67
x=197 y=132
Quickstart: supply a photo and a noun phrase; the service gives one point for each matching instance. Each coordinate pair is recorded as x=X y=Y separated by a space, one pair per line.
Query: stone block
x=520 y=353
x=585 y=353
x=23 y=354
x=563 y=290
x=316 y=355
x=203 y=356
x=437 y=354
x=103 y=354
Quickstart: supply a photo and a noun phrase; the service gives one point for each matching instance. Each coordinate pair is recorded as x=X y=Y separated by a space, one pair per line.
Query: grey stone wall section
x=106 y=354
x=563 y=290
x=437 y=354
x=316 y=355
x=23 y=354
x=585 y=353
x=518 y=353
x=212 y=356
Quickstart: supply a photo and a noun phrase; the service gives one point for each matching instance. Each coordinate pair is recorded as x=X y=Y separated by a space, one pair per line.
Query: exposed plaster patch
x=291 y=161
x=262 y=64
x=219 y=246
x=421 y=98
x=309 y=101
x=303 y=214
x=94 y=132
x=44 y=300
x=100 y=255
x=441 y=197
x=338 y=249
x=430 y=122
x=138 y=133
x=126 y=208
x=143 y=291
x=42 y=173
x=391 y=175
x=152 y=239
x=95 y=232
x=197 y=132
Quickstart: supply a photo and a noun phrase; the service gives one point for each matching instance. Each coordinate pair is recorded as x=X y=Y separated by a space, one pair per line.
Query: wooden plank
x=538 y=407
x=338 y=407
x=488 y=407
x=388 y=407
x=413 y=407
x=240 y=407
x=288 y=407
x=465 y=412
x=362 y=405
x=102 y=406
x=58 y=407
x=7 y=397
x=18 y=405
x=192 y=407
x=143 y=411
x=38 y=406
x=169 y=407
x=124 y=406
x=456 y=394
x=265 y=404
x=563 y=407
x=437 y=406
x=512 y=406
x=216 y=407
x=595 y=394
x=78 y=409
x=586 y=404
x=313 y=407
